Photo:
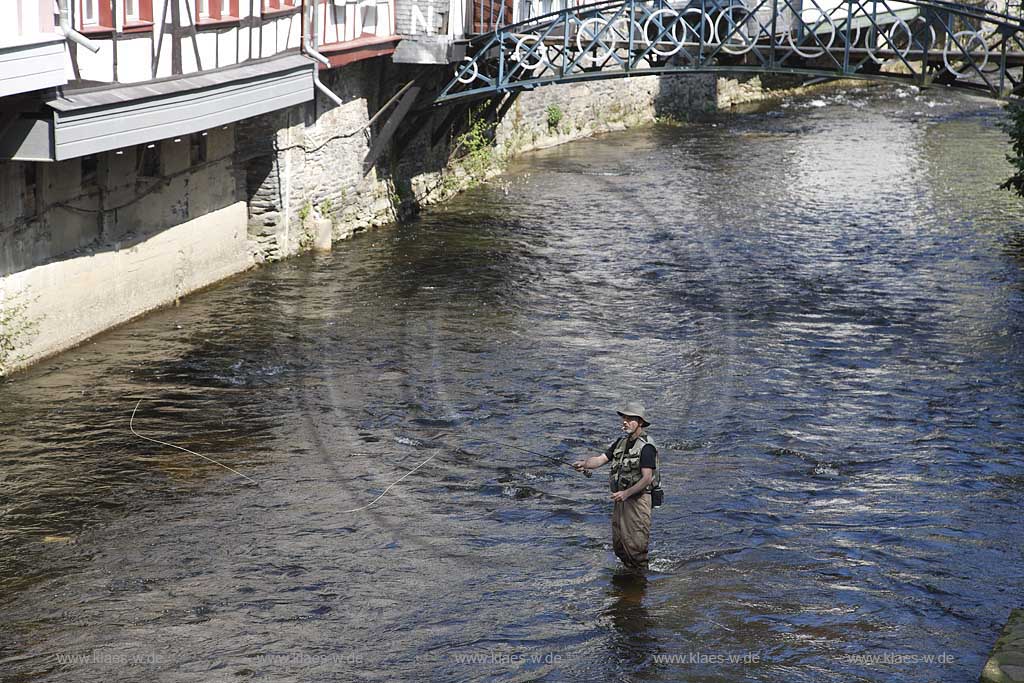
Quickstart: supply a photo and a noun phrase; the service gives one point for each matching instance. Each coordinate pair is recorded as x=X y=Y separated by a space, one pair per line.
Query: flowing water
x=820 y=303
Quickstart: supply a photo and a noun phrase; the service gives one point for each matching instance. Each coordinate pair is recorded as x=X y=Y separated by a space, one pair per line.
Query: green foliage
x=326 y=208
x=668 y=120
x=477 y=147
x=554 y=116
x=305 y=232
x=16 y=328
x=1015 y=128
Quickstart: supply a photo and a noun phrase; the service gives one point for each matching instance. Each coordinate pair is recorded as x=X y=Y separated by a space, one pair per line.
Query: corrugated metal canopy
x=123 y=94
x=98 y=120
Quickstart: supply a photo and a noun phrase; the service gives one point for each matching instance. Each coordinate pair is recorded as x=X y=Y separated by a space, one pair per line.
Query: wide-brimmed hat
x=633 y=409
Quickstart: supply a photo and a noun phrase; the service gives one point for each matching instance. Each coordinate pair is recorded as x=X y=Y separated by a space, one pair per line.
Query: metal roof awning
x=32 y=63
x=99 y=120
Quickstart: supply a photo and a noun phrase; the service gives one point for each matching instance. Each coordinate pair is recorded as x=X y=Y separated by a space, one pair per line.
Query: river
x=820 y=302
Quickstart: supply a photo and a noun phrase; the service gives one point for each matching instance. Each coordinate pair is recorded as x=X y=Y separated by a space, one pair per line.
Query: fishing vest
x=626 y=464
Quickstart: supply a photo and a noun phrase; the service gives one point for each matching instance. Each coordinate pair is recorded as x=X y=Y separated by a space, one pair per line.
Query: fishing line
x=722 y=625
x=587 y=473
x=131 y=426
x=392 y=485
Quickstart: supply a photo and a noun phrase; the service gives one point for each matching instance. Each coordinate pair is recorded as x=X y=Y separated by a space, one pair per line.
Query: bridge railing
x=491 y=15
x=921 y=41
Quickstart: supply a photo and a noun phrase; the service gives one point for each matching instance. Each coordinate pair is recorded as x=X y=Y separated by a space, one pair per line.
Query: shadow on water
x=634 y=636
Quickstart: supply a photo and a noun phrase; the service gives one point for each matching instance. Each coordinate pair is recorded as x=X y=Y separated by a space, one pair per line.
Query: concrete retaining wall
x=79 y=296
x=88 y=243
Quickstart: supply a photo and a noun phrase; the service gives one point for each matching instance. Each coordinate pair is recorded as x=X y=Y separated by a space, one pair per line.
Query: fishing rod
x=540 y=455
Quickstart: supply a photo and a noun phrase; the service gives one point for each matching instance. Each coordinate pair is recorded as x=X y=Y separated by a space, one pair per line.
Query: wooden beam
x=382 y=139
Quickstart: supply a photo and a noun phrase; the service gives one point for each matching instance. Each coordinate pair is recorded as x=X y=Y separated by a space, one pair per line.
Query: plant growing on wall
x=477 y=147
x=1015 y=127
x=326 y=209
x=554 y=116
x=16 y=328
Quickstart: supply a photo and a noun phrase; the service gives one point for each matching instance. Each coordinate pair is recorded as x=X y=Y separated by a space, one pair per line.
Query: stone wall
x=303 y=168
x=584 y=109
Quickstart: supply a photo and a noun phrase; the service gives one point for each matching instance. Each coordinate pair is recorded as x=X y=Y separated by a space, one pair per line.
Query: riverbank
x=104 y=246
x=1006 y=663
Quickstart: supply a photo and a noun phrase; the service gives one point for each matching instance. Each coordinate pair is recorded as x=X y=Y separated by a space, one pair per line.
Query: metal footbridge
x=920 y=42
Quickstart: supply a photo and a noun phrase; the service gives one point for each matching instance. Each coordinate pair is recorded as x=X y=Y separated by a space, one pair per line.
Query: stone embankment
x=1006 y=663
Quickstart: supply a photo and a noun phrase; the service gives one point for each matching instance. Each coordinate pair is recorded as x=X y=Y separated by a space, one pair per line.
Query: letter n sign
x=423 y=22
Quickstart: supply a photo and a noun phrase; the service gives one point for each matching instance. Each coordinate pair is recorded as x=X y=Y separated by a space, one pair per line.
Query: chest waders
x=625 y=467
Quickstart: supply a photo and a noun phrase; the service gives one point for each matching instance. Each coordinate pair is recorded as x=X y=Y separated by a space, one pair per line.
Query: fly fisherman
x=634 y=477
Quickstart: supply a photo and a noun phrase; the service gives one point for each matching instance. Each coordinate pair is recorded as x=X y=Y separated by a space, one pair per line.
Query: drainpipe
x=307 y=45
x=70 y=33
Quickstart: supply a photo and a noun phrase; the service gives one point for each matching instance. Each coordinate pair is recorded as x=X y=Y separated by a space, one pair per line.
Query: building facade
x=121 y=183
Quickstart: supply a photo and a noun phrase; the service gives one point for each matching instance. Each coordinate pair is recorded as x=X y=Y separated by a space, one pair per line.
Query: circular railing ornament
x=813 y=33
x=707 y=27
x=732 y=36
x=589 y=30
x=851 y=38
x=970 y=42
x=891 y=40
x=671 y=36
x=537 y=60
x=468 y=67
x=920 y=36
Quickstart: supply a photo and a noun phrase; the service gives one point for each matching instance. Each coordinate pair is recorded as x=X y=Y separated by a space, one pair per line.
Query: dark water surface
x=821 y=304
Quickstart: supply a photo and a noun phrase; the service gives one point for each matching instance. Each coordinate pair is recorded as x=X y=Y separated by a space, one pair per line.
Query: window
x=148 y=161
x=275 y=5
x=28 y=199
x=197 y=149
x=368 y=17
x=90 y=170
x=97 y=16
x=137 y=12
x=90 y=12
x=216 y=9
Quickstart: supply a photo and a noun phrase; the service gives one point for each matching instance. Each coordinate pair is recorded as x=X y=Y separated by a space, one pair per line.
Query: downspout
x=307 y=45
x=70 y=33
